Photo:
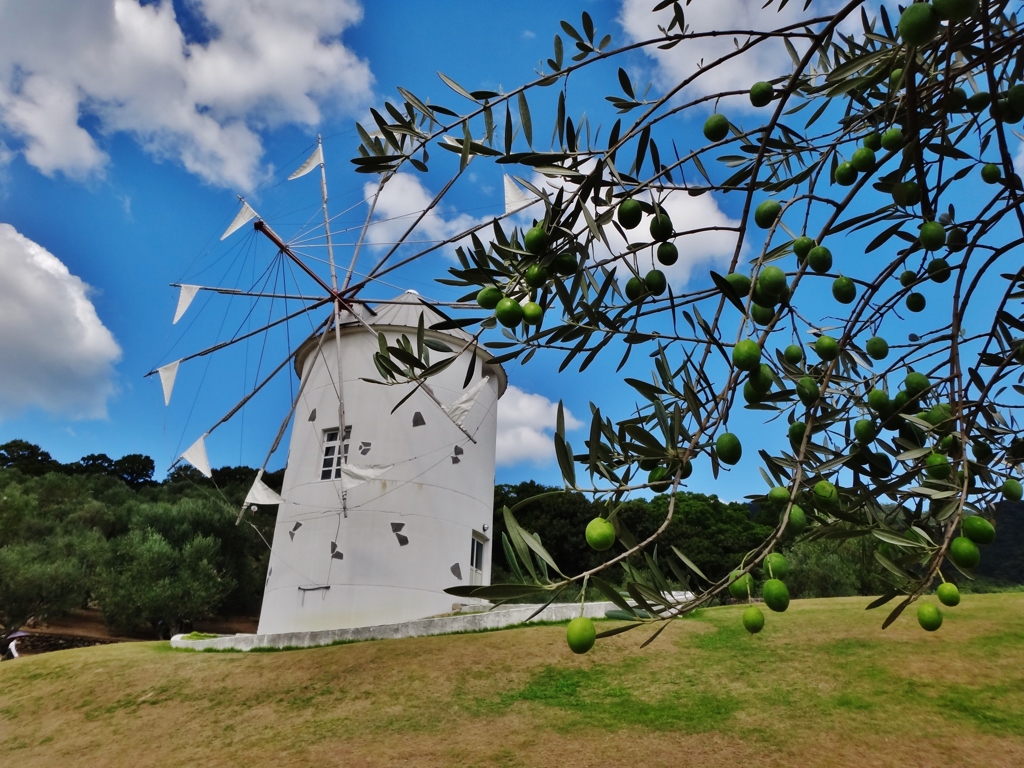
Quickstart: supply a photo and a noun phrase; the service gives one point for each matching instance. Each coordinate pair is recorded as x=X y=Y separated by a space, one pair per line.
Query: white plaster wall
x=437 y=502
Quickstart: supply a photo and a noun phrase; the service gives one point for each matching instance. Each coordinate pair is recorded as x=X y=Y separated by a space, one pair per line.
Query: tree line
x=160 y=555
x=101 y=532
x=716 y=535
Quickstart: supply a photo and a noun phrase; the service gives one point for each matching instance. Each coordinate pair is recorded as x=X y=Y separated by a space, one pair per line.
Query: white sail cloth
x=311 y=162
x=244 y=215
x=167 y=375
x=196 y=456
x=515 y=198
x=260 y=493
x=352 y=475
x=460 y=408
x=188 y=292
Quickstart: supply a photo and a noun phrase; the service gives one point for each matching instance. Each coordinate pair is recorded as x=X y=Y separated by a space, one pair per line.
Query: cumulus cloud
x=705 y=242
x=765 y=61
x=400 y=202
x=57 y=354
x=73 y=72
x=709 y=243
x=526 y=423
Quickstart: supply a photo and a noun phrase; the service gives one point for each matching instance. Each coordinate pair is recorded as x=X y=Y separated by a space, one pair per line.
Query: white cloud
x=700 y=249
x=526 y=423
x=401 y=201
x=45 y=114
x=765 y=61
x=714 y=246
x=118 y=66
x=57 y=354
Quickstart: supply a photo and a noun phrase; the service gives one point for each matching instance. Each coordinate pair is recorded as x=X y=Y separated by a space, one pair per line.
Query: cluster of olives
x=963 y=551
x=629 y=215
x=774 y=592
x=509 y=312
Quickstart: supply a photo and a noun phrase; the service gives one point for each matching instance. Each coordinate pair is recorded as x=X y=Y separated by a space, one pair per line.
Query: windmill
x=388 y=489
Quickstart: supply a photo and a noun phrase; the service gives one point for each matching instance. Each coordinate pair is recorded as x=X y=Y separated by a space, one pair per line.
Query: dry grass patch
x=822 y=685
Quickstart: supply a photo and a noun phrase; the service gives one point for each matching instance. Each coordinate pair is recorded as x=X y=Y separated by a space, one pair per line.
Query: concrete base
x=502 y=616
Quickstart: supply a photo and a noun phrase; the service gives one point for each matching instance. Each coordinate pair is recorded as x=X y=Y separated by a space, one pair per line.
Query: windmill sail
x=311 y=162
x=167 y=375
x=196 y=456
x=261 y=493
x=245 y=215
x=516 y=199
x=188 y=292
x=458 y=410
x=353 y=476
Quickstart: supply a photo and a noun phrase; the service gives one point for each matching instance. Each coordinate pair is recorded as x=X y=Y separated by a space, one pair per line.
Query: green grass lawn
x=822 y=685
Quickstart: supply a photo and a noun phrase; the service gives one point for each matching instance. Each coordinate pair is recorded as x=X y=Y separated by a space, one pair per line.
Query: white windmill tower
x=382 y=510
x=382 y=507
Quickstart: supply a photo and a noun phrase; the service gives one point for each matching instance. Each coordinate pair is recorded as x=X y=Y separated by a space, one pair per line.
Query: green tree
x=35 y=584
x=135 y=470
x=93 y=464
x=241 y=555
x=231 y=483
x=27 y=458
x=714 y=534
x=823 y=568
x=560 y=517
x=150 y=581
x=75 y=516
x=35 y=509
x=1004 y=561
x=895 y=131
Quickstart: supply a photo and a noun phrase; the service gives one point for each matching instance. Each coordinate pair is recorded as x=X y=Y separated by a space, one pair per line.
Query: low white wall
x=504 y=616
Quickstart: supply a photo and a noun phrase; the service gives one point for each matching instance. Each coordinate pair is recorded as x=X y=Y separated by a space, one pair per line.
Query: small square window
x=332 y=458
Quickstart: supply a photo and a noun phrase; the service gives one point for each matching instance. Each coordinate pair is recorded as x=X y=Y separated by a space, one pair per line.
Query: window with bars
x=334 y=455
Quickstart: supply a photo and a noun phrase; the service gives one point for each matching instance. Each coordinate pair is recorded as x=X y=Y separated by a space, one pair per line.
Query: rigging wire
x=304 y=237
x=287 y=331
x=202 y=381
x=194 y=316
x=266 y=335
x=223 y=344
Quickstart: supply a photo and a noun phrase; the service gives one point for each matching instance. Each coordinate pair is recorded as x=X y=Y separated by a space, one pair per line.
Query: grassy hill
x=821 y=686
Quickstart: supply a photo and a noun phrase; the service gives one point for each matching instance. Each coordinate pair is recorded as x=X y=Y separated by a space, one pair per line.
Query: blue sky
x=126 y=132
x=128 y=199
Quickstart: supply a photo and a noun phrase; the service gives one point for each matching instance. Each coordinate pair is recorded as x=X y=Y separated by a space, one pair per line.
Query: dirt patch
x=47 y=643
x=79 y=623
x=85 y=627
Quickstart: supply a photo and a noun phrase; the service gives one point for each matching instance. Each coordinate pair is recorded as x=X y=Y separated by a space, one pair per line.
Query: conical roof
x=404 y=311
